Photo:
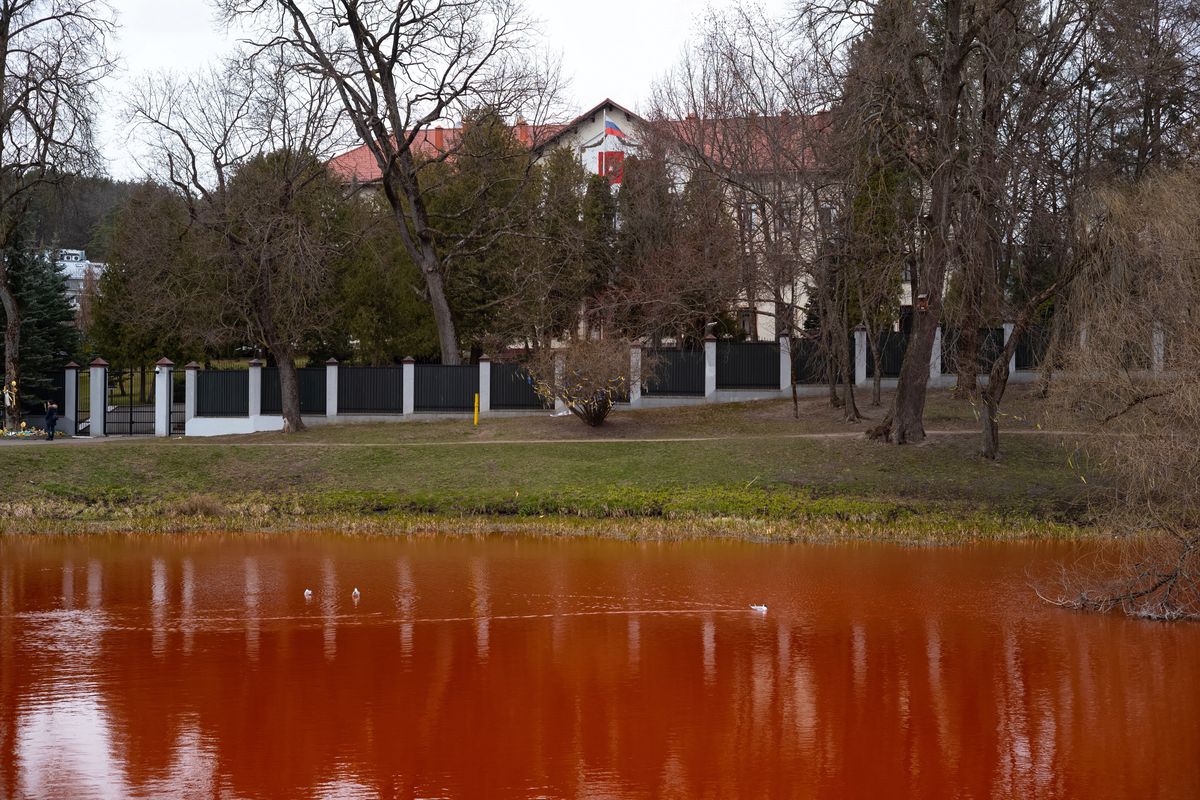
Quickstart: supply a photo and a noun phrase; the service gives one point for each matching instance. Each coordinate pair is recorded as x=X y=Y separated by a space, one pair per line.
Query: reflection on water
x=506 y=667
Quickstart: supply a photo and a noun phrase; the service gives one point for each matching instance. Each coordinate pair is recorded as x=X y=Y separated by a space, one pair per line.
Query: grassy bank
x=749 y=471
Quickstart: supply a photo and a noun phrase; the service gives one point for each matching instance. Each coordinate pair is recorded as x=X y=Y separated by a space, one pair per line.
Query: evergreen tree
x=49 y=338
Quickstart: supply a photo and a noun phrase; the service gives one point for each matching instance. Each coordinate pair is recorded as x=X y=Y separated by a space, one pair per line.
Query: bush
x=588 y=375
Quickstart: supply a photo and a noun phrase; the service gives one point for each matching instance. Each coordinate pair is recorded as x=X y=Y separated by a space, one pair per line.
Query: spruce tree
x=49 y=338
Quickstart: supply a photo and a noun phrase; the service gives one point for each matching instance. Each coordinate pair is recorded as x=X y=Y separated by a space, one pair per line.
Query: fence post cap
x=485 y=358
x=332 y=362
x=254 y=362
x=191 y=365
x=860 y=327
x=635 y=345
x=164 y=362
x=710 y=338
x=71 y=365
x=408 y=360
x=98 y=362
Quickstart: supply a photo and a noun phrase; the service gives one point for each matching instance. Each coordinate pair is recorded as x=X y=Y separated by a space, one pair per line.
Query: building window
x=612 y=165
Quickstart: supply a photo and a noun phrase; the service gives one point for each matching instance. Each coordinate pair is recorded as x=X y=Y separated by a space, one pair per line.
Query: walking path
x=827 y=435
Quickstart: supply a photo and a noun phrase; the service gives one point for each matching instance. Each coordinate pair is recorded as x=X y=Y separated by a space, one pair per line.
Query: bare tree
x=746 y=107
x=400 y=68
x=55 y=53
x=243 y=147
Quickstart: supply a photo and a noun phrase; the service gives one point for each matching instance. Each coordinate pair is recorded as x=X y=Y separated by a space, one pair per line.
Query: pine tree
x=49 y=337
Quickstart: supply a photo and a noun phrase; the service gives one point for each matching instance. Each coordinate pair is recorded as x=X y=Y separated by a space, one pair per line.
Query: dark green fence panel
x=891 y=354
x=222 y=393
x=370 y=390
x=747 y=365
x=445 y=387
x=512 y=388
x=676 y=372
x=1031 y=348
x=312 y=391
x=808 y=362
x=991 y=343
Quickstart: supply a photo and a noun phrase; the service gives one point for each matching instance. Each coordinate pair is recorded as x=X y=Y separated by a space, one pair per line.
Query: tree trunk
x=401 y=189
x=877 y=373
x=998 y=376
x=848 y=404
x=991 y=433
x=12 y=353
x=289 y=389
x=905 y=423
x=967 y=356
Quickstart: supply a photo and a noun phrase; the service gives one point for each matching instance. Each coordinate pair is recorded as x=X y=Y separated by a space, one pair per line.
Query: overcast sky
x=612 y=49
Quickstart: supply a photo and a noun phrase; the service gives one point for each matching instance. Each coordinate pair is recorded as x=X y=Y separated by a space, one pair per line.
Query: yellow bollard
x=477 y=409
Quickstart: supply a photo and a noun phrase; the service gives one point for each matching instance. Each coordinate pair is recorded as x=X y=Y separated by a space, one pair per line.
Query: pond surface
x=193 y=666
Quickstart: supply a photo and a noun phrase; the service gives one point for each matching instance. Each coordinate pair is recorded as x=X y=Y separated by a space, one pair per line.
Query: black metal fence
x=445 y=387
x=130 y=401
x=990 y=345
x=223 y=393
x=512 y=388
x=178 y=401
x=747 y=365
x=1031 y=348
x=370 y=390
x=311 y=385
x=891 y=354
x=675 y=372
x=808 y=362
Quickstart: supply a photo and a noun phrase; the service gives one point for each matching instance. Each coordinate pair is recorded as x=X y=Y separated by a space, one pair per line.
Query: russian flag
x=610 y=128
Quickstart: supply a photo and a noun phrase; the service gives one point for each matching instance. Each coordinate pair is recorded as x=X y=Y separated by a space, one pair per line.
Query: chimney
x=522 y=130
x=438 y=138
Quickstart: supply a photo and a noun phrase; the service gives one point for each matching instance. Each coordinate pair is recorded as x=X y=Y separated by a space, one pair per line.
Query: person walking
x=51 y=419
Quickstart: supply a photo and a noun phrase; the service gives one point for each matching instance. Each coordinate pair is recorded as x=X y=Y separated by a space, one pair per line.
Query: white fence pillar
x=860 y=356
x=1158 y=349
x=560 y=368
x=410 y=385
x=785 y=363
x=485 y=385
x=1009 y=327
x=331 y=387
x=162 y=396
x=935 y=356
x=710 y=368
x=635 y=376
x=70 y=409
x=254 y=401
x=98 y=389
x=189 y=392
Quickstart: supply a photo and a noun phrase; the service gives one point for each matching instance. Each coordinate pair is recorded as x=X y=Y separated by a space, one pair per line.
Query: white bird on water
x=759 y=608
x=356 y=594
x=308 y=594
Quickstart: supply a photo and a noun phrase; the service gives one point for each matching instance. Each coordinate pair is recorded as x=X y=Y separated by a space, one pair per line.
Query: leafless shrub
x=1131 y=376
x=588 y=375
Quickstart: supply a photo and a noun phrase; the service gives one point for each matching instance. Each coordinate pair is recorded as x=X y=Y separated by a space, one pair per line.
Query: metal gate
x=130 y=407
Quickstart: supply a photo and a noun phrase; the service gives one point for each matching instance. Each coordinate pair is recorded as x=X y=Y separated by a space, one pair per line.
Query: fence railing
x=891 y=354
x=675 y=372
x=222 y=393
x=990 y=343
x=370 y=390
x=311 y=388
x=445 y=387
x=747 y=365
x=512 y=388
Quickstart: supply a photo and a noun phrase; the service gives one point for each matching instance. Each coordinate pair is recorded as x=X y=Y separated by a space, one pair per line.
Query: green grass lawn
x=755 y=463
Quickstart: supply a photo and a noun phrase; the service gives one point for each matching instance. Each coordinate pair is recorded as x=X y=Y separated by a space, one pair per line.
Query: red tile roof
x=359 y=165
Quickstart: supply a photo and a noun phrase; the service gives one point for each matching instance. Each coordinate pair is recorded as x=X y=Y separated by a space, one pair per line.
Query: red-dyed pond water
x=194 y=667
